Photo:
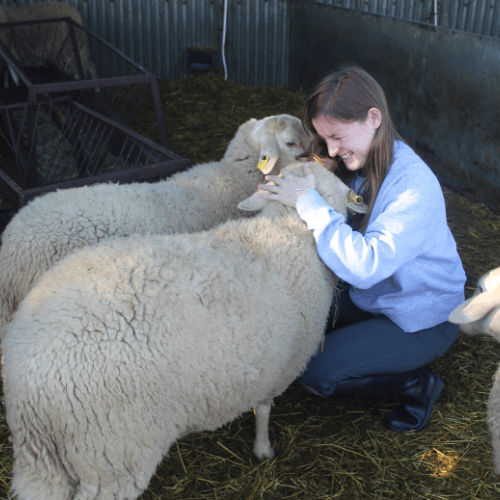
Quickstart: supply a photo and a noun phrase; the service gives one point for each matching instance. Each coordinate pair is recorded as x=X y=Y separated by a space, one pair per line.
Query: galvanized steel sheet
x=156 y=33
x=441 y=84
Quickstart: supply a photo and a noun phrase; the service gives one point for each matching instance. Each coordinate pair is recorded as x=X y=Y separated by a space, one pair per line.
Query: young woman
x=399 y=262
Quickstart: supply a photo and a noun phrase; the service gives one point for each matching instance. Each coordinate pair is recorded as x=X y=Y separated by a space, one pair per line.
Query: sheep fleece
x=123 y=348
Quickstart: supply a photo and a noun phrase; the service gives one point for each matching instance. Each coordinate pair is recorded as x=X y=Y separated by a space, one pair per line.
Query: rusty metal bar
x=127 y=176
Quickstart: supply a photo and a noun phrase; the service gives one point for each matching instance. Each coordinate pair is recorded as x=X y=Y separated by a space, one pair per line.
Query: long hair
x=347 y=95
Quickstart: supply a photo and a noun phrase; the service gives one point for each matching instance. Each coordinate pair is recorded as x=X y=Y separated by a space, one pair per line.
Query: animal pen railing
x=51 y=57
x=61 y=144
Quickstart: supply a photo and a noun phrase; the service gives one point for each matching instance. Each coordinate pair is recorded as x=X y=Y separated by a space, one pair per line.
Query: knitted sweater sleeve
x=401 y=226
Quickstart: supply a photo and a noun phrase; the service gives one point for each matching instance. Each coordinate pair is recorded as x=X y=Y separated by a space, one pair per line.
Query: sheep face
x=481 y=313
x=328 y=185
x=281 y=139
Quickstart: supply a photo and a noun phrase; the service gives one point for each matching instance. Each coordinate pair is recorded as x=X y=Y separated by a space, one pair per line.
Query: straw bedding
x=336 y=448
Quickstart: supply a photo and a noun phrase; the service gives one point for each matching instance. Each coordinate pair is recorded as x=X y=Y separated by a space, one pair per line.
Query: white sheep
x=47 y=43
x=56 y=224
x=481 y=314
x=124 y=347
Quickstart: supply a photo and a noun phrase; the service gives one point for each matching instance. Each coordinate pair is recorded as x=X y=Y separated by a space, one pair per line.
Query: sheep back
x=55 y=225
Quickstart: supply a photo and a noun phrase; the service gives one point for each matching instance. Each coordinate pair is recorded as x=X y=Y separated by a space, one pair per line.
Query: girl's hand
x=289 y=188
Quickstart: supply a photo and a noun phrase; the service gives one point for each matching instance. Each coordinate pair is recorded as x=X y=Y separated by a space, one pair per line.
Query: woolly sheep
x=124 y=347
x=481 y=314
x=54 y=225
x=41 y=45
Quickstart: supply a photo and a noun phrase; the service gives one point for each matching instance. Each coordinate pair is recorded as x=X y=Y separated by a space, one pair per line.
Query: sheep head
x=481 y=313
x=329 y=186
x=281 y=139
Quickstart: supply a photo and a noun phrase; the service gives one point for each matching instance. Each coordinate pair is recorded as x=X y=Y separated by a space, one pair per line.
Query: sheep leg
x=262 y=447
x=493 y=419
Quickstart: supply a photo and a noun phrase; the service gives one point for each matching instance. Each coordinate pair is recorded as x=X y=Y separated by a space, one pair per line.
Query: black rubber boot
x=417 y=395
x=416 y=391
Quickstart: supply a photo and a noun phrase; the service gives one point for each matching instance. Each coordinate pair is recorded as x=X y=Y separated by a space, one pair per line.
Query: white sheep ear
x=254 y=203
x=491 y=281
x=269 y=154
x=264 y=134
x=491 y=324
x=473 y=309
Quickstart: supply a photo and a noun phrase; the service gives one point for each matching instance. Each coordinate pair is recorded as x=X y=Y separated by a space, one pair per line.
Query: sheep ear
x=269 y=154
x=492 y=324
x=355 y=204
x=264 y=134
x=254 y=203
x=485 y=299
x=473 y=309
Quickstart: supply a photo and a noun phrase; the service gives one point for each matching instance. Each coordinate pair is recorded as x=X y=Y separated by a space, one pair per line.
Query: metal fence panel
x=156 y=33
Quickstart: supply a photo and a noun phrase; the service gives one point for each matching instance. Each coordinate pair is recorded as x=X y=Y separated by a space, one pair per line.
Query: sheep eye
x=290 y=144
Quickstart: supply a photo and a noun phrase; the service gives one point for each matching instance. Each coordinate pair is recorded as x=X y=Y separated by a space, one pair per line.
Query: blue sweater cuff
x=313 y=210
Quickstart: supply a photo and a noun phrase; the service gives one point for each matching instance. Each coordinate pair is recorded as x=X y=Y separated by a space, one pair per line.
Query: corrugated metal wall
x=474 y=16
x=156 y=33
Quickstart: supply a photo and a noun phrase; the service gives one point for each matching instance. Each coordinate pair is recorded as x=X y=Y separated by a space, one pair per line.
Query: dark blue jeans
x=363 y=344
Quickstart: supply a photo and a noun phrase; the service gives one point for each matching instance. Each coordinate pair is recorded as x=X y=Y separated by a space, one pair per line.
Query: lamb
x=56 y=224
x=48 y=43
x=124 y=347
x=481 y=314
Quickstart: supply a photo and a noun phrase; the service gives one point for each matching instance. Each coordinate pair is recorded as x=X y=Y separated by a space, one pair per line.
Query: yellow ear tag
x=262 y=163
x=318 y=159
x=352 y=197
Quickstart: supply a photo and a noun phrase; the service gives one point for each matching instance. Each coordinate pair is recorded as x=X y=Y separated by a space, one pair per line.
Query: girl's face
x=351 y=141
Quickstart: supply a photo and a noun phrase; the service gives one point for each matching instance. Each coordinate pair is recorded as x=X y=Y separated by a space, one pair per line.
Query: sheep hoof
x=263 y=452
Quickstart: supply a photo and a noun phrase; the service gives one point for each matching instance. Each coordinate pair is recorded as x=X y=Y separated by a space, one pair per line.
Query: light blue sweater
x=406 y=265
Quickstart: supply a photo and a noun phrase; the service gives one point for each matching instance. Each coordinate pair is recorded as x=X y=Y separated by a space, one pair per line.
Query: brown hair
x=347 y=95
